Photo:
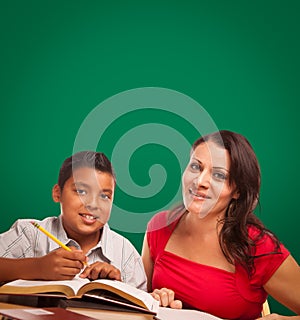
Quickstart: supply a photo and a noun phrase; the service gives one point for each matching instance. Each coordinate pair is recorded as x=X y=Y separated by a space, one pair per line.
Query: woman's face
x=205 y=181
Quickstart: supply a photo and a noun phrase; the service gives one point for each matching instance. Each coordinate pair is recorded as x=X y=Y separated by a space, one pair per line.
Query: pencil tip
x=34 y=223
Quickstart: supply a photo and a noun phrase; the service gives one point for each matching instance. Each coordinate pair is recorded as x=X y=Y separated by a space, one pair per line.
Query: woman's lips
x=198 y=195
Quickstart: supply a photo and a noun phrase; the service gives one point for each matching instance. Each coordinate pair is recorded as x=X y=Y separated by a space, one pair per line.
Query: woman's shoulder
x=265 y=242
x=159 y=230
x=168 y=217
x=158 y=221
x=268 y=253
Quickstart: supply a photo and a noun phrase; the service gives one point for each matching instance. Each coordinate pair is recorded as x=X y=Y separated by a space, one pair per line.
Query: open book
x=102 y=289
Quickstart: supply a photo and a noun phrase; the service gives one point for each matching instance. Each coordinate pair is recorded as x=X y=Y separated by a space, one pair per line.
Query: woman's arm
x=148 y=263
x=164 y=296
x=284 y=286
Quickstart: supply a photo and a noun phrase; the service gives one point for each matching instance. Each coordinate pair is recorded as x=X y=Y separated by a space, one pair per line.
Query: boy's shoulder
x=116 y=247
x=44 y=222
x=112 y=240
x=110 y=234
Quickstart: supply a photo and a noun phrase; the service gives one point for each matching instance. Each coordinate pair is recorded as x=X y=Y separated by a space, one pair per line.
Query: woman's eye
x=220 y=176
x=81 y=191
x=195 y=166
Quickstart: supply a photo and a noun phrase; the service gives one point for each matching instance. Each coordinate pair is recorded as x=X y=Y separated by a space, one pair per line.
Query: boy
x=85 y=191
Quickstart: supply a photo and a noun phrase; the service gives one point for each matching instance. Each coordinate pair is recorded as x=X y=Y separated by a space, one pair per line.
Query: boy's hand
x=99 y=270
x=166 y=298
x=60 y=264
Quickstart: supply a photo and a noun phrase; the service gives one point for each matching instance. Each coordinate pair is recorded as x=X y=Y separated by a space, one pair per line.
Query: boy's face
x=86 y=201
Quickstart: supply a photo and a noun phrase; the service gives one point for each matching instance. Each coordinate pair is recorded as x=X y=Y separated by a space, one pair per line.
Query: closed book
x=41 y=314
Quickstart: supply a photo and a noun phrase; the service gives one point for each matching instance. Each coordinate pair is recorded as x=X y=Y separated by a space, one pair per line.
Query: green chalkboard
x=63 y=60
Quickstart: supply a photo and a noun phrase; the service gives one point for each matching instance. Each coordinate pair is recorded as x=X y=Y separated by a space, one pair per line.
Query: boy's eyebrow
x=82 y=184
x=107 y=190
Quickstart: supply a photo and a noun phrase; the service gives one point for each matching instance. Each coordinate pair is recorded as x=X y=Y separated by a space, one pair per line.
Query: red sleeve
x=267 y=259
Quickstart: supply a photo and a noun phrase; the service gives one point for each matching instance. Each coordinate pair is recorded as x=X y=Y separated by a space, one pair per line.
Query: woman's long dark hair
x=245 y=176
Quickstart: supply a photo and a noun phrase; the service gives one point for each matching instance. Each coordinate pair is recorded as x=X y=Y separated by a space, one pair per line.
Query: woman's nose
x=203 y=180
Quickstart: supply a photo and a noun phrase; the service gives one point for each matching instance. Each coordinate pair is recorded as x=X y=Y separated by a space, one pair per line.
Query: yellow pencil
x=51 y=236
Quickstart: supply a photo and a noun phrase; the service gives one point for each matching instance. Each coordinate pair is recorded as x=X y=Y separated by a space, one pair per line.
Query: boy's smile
x=88 y=217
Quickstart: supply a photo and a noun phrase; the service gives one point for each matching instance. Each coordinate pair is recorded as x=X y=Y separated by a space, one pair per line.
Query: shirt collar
x=105 y=244
x=60 y=233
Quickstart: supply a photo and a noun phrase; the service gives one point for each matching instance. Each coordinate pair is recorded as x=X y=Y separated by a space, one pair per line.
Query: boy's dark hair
x=90 y=159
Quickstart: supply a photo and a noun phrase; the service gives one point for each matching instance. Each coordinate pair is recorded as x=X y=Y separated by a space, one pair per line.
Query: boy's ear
x=56 y=194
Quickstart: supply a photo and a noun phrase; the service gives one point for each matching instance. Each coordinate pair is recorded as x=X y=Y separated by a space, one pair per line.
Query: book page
x=139 y=297
x=38 y=286
x=179 y=314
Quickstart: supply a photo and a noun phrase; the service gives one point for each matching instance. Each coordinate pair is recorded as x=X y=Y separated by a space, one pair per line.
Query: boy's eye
x=81 y=191
x=104 y=196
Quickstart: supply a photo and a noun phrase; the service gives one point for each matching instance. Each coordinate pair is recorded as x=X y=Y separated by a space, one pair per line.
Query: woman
x=212 y=251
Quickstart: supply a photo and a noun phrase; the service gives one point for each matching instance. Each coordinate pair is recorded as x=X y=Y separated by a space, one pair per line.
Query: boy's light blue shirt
x=23 y=240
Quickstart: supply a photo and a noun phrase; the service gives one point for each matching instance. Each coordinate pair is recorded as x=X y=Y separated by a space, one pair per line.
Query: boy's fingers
x=110 y=272
x=86 y=272
x=78 y=255
x=115 y=274
x=101 y=270
x=74 y=248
